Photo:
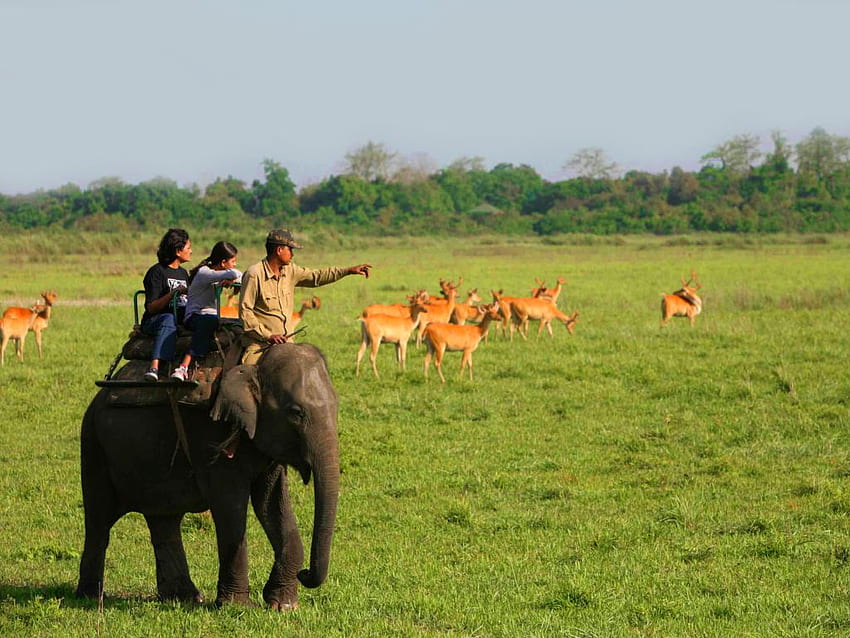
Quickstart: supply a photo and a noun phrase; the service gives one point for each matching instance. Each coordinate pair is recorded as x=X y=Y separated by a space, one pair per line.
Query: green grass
x=625 y=481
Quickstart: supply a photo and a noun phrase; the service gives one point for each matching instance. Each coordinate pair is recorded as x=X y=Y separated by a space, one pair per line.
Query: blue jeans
x=163 y=329
x=203 y=328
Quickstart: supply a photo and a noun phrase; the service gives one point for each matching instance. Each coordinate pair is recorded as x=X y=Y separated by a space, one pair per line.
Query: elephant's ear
x=238 y=398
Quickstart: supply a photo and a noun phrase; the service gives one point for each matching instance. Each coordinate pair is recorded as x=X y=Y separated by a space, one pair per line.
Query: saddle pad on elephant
x=140 y=345
x=146 y=395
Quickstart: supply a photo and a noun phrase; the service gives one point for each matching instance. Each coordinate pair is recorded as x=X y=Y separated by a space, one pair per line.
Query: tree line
x=792 y=188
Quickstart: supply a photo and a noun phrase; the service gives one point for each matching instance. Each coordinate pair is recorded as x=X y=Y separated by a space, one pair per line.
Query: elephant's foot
x=281 y=598
x=90 y=590
x=241 y=598
x=189 y=596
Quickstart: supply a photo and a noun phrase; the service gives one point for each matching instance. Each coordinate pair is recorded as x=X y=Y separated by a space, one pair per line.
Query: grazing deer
x=375 y=329
x=16 y=322
x=467 y=311
x=525 y=309
x=440 y=337
x=684 y=302
x=506 y=309
x=569 y=321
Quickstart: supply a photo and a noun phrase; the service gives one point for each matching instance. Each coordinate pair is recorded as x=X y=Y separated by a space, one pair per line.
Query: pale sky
x=193 y=90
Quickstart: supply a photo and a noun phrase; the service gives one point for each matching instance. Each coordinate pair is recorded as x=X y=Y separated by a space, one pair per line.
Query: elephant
x=279 y=413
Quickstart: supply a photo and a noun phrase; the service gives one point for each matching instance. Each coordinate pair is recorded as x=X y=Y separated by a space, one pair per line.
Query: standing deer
x=467 y=310
x=16 y=322
x=438 y=310
x=540 y=309
x=440 y=337
x=542 y=292
x=684 y=302
x=375 y=329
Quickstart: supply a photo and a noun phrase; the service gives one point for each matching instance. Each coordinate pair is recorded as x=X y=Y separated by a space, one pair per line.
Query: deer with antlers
x=526 y=309
x=542 y=292
x=439 y=310
x=684 y=302
x=467 y=310
x=440 y=337
x=376 y=329
x=396 y=309
x=16 y=322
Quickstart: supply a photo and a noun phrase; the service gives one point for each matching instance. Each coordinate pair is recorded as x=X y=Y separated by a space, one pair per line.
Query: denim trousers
x=163 y=329
x=203 y=328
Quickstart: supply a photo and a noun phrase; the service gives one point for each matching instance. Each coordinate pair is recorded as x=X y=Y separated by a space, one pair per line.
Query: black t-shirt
x=160 y=280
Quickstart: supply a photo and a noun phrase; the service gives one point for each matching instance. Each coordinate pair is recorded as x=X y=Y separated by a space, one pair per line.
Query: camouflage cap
x=282 y=237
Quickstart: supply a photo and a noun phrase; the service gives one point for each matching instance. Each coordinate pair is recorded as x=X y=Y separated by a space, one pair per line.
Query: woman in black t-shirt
x=164 y=281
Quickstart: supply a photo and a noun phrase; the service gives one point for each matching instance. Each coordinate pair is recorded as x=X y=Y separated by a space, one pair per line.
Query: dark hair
x=171 y=243
x=221 y=251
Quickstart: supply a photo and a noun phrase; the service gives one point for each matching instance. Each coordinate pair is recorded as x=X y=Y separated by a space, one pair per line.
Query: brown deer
x=314 y=303
x=17 y=321
x=543 y=292
x=467 y=311
x=376 y=329
x=440 y=337
x=395 y=309
x=684 y=302
x=539 y=309
x=439 y=310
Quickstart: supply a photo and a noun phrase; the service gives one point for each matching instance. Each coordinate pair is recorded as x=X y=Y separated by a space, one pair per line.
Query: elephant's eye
x=296 y=413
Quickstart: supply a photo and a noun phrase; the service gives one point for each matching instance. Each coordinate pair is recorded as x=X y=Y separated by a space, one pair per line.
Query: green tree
x=276 y=197
x=683 y=189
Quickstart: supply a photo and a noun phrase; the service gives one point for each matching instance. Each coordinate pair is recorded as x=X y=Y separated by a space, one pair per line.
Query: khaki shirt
x=267 y=301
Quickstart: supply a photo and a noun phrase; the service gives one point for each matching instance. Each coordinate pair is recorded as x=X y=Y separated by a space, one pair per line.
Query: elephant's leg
x=172 y=570
x=98 y=525
x=270 y=497
x=229 y=508
x=101 y=512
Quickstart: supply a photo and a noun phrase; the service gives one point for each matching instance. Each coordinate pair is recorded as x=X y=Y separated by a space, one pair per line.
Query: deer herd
x=443 y=324
x=446 y=324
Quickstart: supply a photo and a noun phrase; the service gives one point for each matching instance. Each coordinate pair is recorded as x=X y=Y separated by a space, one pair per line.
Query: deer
x=539 y=309
x=542 y=292
x=231 y=309
x=314 y=303
x=683 y=303
x=16 y=322
x=440 y=337
x=467 y=310
x=395 y=309
x=506 y=309
x=446 y=287
x=376 y=329
x=437 y=312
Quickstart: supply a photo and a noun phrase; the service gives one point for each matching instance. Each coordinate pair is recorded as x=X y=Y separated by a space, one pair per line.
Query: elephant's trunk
x=326 y=487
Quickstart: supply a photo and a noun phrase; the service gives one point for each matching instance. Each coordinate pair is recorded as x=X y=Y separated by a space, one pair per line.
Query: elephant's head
x=287 y=405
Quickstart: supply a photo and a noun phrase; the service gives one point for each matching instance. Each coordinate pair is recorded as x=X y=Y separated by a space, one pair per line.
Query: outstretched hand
x=362 y=269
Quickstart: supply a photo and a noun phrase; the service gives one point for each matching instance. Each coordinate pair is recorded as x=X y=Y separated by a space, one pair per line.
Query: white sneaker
x=180 y=373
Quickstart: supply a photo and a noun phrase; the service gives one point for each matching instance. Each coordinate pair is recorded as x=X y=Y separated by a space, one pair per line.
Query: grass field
x=623 y=481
